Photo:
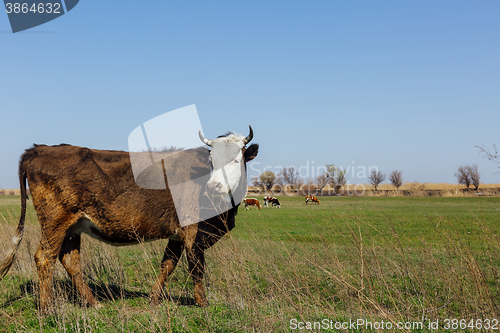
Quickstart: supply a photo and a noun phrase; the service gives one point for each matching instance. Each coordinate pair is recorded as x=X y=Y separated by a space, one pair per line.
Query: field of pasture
x=400 y=260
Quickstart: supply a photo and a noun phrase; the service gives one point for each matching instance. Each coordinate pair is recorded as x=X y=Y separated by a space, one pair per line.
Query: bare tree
x=463 y=175
x=331 y=171
x=309 y=187
x=340 y=177
x=335 y=176
x=396 y=178
x=376 y=177
x=474 y=176
x=322 y=180
x=288 y=176
x=255 y=182
x=492 y=156
x=299 y=183
x=467 y=175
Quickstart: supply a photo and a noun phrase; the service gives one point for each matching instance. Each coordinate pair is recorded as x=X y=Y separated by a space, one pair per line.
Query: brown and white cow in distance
x=251 y=202
x=273 y=200
x=78 y=190
x=312 y=199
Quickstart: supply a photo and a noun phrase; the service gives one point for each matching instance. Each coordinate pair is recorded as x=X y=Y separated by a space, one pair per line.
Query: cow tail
x=16 y=240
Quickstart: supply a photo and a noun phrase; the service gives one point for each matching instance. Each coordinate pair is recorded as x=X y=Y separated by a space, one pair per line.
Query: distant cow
x=273 y=200
x=312 y=199
x=78 y=190
x=251 y=202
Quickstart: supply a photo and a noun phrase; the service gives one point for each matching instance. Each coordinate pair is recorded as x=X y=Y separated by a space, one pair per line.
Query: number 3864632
x=35 y=8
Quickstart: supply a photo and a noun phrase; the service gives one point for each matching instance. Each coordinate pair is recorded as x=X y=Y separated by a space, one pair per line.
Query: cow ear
x=251 y=152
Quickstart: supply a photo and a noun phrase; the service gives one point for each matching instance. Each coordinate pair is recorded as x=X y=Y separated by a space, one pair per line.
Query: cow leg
x=45 y=258
x=196 y=260
x=171 y=257
x=70 y=259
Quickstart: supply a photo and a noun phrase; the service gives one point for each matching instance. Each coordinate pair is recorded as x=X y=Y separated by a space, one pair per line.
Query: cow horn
x=205 y=140
x=249 y=137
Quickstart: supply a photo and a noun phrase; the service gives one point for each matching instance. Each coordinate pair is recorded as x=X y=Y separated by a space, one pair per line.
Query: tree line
x=336 y=177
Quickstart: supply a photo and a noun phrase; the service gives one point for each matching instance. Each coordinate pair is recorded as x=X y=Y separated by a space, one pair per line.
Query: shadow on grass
x=102 y=292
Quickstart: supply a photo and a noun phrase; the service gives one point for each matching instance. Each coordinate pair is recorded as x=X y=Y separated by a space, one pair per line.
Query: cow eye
x=236 y=161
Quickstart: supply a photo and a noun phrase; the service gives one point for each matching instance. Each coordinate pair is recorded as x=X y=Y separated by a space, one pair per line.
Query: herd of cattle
x=255 y=202
x=273 y=201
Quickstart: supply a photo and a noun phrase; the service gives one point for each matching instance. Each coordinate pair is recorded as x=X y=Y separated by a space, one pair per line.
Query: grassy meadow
x=390 y=259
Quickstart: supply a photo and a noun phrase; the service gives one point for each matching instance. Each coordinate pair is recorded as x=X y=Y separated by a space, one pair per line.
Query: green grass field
x=397 y=259
x=413 y=218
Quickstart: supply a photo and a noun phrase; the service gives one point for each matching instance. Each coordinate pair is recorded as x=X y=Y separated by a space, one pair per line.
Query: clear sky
x=408 y=85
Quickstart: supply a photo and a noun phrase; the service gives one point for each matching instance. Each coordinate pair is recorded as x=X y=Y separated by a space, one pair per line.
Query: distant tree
x=340 y=177
x=288 y=176
x=376 y=177
x=309 y=188
x=467 y=175
x=463 y=176
x=331 y=171
x=255 y=182
x=322 y=180
x=298 y=185
x=266 y=180
x=335 y=176
x=474 y=176
x=396 y=178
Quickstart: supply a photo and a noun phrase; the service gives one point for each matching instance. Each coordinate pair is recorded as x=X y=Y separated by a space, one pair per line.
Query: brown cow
x=251 y=202
x=312 y=199
x=78 y=190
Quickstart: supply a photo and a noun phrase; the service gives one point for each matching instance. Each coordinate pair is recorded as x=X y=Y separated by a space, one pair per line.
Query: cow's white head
x=228 y=157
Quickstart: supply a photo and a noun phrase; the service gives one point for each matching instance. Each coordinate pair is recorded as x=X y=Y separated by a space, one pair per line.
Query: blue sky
x=408 y=85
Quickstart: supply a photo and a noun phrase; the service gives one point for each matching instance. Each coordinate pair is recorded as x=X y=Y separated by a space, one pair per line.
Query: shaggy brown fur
x=70 y=185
